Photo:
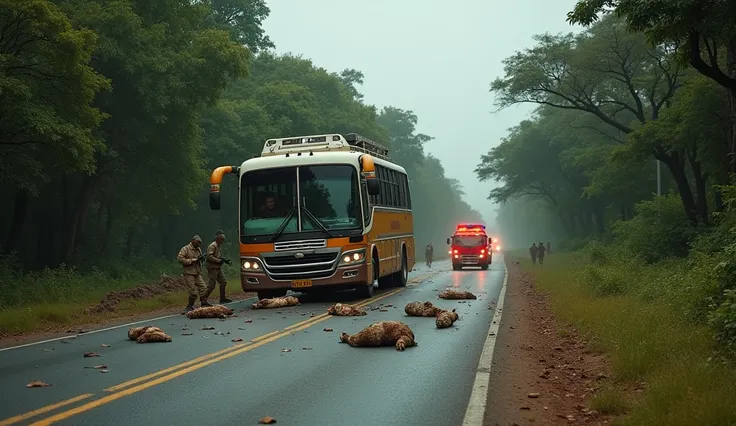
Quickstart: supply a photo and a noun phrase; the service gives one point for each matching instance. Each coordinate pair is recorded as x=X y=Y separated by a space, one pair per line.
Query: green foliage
x=658 y=230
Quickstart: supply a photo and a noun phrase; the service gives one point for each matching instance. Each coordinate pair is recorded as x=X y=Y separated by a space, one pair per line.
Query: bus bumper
x=344 y=277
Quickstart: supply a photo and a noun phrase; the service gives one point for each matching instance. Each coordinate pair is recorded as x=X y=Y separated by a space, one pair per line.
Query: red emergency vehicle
x=470 y=246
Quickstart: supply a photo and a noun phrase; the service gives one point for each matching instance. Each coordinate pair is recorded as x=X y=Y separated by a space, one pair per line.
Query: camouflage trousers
x=195 y=285
x=215 y=276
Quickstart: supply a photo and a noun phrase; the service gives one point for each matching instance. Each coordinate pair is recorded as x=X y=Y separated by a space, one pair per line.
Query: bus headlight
x=352 y=257
x=251 y=265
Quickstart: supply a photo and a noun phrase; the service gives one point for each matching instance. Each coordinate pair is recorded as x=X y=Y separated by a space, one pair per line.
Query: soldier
x=533 y=252
x=214 y=267
x=540 y=253
x=549 y=248
x=190 y=256
x=428 y=254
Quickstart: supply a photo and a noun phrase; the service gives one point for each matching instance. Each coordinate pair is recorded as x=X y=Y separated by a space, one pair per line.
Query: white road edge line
x=56 y=339
x=476 y=410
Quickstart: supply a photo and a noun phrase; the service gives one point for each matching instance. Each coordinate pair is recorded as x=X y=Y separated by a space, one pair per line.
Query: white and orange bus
x=321 y=212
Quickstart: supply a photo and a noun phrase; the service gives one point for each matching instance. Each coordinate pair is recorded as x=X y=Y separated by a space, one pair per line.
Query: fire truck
x=470 y=246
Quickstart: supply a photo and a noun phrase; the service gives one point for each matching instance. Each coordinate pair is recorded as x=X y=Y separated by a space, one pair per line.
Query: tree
x=47 y=120
x=703 y=29
x=613 y=75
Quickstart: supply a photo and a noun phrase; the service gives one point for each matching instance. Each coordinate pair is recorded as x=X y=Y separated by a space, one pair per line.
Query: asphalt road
x=287 y=367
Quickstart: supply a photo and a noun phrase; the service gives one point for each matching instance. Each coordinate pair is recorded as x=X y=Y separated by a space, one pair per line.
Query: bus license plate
x=301 y=283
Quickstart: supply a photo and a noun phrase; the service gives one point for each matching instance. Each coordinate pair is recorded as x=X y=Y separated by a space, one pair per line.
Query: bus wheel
x=400 y=278
x=457 y=267
x=484 y=266
x=366 y=291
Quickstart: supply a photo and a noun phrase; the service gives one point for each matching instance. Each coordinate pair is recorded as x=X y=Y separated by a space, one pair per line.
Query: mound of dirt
x=109 y=303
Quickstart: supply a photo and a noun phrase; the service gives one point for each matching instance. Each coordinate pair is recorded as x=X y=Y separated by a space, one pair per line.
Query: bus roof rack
x=367 y=145
x=324 y=142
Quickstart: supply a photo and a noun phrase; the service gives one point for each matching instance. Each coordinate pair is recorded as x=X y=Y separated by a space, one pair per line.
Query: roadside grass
x=49 y=299
x=648 y=320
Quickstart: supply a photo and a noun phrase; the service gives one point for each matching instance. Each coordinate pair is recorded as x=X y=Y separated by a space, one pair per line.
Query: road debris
x=237 y=339
x=207 y=327
x=248 y=321
x=327 y=330
x=455 y=294
x=37 y=384
x=285 y=350
x=48 y=349
x=104 y=371
x=99 y=367
x=91 y=354
x=104 y=345
x=267 y=420
x=187 y=333
x=533 y=395
x=307 y=349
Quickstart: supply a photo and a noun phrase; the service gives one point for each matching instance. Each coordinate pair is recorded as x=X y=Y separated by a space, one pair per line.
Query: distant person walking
x=191 y=257
x=533 y=252
x=428 y=254
x=549 y=248
x=540 y=252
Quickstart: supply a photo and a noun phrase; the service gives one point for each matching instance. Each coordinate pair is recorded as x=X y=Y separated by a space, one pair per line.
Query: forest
x=646 y=86
x=113 y=114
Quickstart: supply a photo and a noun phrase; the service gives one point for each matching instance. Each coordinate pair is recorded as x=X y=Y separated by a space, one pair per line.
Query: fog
x=437 y=62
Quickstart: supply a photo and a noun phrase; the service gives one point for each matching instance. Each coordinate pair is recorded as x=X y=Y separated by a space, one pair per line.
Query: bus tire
x=484 y=266
x=457 y=267
x=366 y=291
x=401 y=277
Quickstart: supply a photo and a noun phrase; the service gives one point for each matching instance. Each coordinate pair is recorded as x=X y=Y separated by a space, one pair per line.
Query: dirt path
x=542 y=374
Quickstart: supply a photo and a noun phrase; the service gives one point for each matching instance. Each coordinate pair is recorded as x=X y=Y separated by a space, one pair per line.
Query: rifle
x=226 y=260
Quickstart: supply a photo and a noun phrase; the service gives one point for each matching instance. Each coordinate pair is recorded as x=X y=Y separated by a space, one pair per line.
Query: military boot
x=190 y=304
x=203 y=302
x=223 y=298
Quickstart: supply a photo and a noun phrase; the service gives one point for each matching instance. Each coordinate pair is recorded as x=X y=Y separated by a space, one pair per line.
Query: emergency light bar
x=470 y=226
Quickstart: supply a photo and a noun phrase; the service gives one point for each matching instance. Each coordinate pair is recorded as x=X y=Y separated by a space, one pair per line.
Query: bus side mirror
x=214 y=200
x=374 y=187
x=448 y=240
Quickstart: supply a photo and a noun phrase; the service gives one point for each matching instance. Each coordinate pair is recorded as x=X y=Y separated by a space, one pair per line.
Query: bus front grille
x=300 y=245
x=299 y=266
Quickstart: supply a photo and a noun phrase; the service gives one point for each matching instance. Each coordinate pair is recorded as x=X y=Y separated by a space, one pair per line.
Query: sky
x=432 y=57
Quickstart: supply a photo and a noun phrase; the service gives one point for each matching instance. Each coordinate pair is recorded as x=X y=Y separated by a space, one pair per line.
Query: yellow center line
x=135 y=389
x=186 y=367
x=46 y=409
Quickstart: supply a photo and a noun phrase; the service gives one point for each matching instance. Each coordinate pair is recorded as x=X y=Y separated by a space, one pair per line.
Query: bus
x=321 y=213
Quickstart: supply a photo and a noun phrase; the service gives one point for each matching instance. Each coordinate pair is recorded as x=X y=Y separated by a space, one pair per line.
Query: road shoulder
x=535 y=356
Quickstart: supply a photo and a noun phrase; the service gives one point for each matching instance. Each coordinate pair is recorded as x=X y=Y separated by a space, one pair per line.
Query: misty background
x=436 y=61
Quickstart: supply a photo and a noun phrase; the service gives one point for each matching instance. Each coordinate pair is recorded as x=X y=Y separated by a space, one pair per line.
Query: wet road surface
x=286 y=367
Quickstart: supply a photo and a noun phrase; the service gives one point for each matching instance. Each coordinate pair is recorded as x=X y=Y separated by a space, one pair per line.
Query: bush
x=659 y=230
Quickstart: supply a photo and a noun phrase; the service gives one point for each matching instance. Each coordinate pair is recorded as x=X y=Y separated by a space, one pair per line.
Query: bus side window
x=367 y=202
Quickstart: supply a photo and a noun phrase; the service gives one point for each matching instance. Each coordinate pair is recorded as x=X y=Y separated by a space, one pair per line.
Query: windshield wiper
x=281 y=228
x=317 y=221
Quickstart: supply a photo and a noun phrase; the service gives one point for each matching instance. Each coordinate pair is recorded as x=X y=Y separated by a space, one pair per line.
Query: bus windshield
x=329 y=193
x=469 y=240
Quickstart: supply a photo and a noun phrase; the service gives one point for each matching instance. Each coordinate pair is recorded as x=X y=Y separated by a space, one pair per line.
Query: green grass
x=648 y=319
x=53 y=298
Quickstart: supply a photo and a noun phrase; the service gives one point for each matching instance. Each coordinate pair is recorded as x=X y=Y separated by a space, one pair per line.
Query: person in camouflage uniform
x=191 y=257
x=214 y=267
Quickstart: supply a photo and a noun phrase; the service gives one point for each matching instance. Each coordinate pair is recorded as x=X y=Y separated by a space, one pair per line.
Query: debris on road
x=91 y=354
x=104 y=345
x=98 y=367
x=533 y=395
x=276 y=302
x=37 y=384
x=455 y=295
x=382 y=333
x=207 y=327
x=237 y=339
x=445 y=319
x=421 y=309
x=104 y=371
x=285 y=350
x=187 y=333
x=345 y=310
x=248 y=321
x=307 y=349
x=217 y=311
x=327 y=329
x=267 y=420
x=48 y=349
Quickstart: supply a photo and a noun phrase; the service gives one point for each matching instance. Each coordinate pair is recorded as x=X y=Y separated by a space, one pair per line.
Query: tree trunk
x=677 y=168
x=129 y=243
x=108 y=228
x=731 y=64
x=79 y=215
x=20 y=209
